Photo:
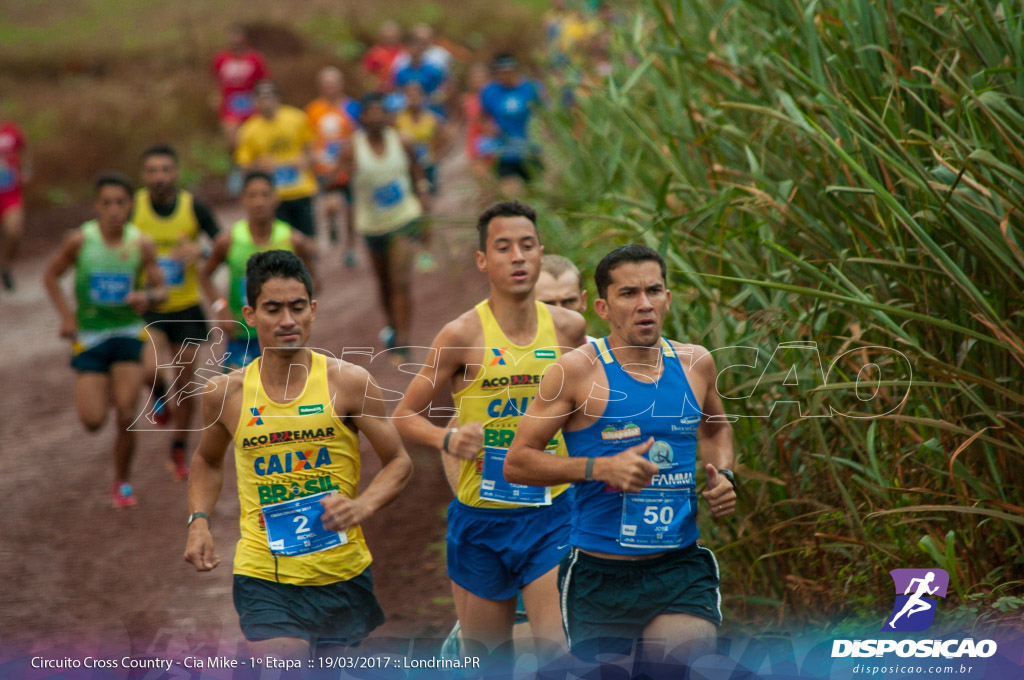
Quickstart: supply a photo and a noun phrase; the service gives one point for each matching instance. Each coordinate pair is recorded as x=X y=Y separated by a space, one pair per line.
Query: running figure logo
x=915 y=611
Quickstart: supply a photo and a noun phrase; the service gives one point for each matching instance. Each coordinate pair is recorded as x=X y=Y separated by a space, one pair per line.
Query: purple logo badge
x=915 y=607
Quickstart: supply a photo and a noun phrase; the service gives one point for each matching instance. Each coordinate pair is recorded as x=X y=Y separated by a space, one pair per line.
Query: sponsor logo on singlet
x=509 y=381
x=284 y=436
x=275 y=493
x=292 y=461
x=617 y=431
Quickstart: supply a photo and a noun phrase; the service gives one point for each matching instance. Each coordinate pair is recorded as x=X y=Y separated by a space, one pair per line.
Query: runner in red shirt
x=15 y=170
x=378 y=59
x=237 y=70
x=480 y=130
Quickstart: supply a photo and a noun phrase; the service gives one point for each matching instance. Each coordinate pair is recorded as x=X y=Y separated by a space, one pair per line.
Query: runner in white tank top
x=390 y=195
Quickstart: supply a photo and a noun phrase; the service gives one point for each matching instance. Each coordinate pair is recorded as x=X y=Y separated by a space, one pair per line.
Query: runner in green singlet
x=108 y=255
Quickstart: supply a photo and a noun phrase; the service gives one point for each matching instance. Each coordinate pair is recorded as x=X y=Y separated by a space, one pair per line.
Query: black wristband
x=447 y=437
x=588 y=473
x=196 y=515
x=730 y=475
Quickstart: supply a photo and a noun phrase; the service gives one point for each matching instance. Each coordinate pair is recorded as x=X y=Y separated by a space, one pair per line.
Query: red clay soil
x=78 y=574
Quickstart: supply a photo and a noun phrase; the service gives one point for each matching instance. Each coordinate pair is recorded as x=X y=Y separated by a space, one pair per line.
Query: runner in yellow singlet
x=501 y=538
x=301 y=568
x=279 y=140
x=174 y=219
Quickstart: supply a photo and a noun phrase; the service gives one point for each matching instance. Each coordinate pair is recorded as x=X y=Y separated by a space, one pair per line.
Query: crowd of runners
x=573 y=460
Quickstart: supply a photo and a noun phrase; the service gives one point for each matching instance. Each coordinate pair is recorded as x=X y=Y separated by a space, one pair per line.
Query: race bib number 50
x=654 y=518
x=295 y=527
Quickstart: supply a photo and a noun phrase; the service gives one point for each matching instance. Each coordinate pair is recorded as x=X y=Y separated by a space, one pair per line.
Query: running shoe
x=425 y=262
x=387 y=336
x=161 y=414
x=177 y=464
x=450 y=649
x=123 y=496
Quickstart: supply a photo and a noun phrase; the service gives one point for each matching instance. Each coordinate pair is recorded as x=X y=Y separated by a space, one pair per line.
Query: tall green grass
x=849 y=177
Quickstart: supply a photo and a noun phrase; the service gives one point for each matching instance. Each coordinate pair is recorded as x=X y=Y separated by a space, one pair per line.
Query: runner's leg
x=126 y=381
x=486 y=621
x=279 y=648
x=350 y=228
x=686 y=637
x=400 y=259
x=332 y=209
x=542 y=602
x=380 y=262
x=92 y=399
x=12 y=226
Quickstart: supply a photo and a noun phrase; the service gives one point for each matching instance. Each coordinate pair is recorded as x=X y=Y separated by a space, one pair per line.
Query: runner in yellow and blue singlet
x=502 y=538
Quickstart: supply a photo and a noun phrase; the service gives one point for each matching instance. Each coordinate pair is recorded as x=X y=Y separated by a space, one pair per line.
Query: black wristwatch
x=730 y=475
x=196 y=515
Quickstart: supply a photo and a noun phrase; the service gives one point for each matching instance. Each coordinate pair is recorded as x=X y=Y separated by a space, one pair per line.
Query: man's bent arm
x=714 y=431
x=341 y=512
x=221 y=245
x=396 y=466
x=408 y=417
x=714 y=443
x=527 y=462
x=61 y=262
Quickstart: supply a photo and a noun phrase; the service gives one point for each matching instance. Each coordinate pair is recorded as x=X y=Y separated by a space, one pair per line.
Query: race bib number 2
x=295 y=527
x=493 y=486
x=654 y=518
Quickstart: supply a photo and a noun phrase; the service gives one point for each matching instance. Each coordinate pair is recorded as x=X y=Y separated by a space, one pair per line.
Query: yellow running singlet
x=498 y=397
x=285 y=452
x=182 y=279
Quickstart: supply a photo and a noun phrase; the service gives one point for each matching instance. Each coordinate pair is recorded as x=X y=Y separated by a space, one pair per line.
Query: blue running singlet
x=663 y=516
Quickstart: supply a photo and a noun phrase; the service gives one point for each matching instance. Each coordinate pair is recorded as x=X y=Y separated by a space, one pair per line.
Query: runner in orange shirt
x=334 y=116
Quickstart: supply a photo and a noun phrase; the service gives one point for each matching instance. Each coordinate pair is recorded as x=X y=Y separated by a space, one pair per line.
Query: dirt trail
x=78 y=574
